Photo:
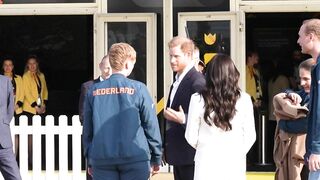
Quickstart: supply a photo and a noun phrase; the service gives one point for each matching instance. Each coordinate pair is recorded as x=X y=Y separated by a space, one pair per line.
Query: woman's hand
x=41 y=109
x=295 y=98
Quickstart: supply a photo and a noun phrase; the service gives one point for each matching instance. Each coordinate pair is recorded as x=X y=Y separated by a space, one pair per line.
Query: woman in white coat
x=220 y=124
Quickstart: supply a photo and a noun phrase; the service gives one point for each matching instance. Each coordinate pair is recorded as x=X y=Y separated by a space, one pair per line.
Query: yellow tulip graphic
x=208 y=56
x=210 y=39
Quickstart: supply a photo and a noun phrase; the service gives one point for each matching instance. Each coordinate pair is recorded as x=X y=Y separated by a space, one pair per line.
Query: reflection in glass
x=133 y=33
x=211 y=37
x=46 y=1
x=201 y=5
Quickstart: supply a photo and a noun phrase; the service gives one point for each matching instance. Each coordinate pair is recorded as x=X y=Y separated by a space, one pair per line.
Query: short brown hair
x=119 y=53
x=312 y=26
x=307 y=64
x=187 y=45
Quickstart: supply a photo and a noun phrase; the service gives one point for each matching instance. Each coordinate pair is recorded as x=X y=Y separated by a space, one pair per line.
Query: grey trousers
x=8 y=164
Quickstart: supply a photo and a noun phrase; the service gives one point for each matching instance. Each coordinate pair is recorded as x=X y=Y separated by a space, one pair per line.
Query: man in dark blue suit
x=8 y=164
x=187 y=82
x=106 y=72
x=105 y=69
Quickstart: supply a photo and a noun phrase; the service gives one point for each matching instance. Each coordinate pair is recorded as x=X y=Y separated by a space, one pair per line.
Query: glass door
x=212 y=32
x=215 y=32
x=136 y=29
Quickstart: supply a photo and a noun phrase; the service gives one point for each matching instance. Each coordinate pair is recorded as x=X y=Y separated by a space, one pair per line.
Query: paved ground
x=250 y=176
x=162 y=176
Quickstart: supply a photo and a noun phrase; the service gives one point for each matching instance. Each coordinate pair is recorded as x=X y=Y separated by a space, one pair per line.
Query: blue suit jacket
x=6 y=111
x=177 y=149
x=313 y=133
x=84 y=89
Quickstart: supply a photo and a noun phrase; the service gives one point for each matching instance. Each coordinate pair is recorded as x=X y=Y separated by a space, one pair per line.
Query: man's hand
x=90 y=172
x=314 y=162
x=175 y=116
x=154 y=169
x=257 y=103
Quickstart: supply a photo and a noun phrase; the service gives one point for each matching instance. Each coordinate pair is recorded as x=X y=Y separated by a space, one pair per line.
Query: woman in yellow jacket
x=35 y=94
x=35 y=88
x=8 y=70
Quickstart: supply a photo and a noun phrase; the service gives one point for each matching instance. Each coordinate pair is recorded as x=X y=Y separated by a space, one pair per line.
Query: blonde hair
x=36 y=59
x=119 y=53
x=312 y=26
x=187 y=45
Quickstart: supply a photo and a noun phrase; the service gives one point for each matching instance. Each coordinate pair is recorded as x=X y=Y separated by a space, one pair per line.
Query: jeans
x=314 y=175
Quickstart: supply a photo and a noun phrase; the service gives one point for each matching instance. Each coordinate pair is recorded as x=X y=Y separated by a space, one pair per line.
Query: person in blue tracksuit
x=121 y=135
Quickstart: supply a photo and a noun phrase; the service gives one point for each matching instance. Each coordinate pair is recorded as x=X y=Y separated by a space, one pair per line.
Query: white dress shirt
x=178 y=80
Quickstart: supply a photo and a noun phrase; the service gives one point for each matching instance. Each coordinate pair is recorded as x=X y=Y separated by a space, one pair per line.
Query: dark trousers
x=183 y=172
x=271 y=128
x=133 y=171
x=8 y=164
x=304 y=173
x=252 y=155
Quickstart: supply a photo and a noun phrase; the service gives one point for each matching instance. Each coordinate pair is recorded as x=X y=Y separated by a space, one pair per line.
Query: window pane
x=210 y=36
x=46 y=1
x=121 y=6
x=200 y=5
x=64 y=45
x=133 y=33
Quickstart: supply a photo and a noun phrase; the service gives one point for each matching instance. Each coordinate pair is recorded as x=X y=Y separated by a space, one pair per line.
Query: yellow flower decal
x=209 y=39
x=208 y=57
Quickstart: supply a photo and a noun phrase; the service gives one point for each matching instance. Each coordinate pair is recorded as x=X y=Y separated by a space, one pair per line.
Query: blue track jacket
x=313 y=134
x=120 y=123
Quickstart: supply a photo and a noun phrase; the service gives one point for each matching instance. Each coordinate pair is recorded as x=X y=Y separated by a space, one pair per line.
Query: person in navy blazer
x=8 y=164
x=187 y=82
x=84 y=89
x=106 y=72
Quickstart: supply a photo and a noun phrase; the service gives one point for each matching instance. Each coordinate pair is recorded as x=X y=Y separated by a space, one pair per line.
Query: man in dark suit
x=105 y=69
x=188 y=81
x=106 y=72
x=8 y=164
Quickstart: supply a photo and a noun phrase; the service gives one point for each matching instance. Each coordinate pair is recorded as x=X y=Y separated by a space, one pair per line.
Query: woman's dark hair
x=7 y=58
x=222 y=91
x=250 y=54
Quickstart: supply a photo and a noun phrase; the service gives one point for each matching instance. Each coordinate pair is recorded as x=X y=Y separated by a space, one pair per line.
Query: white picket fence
x=49 y=130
